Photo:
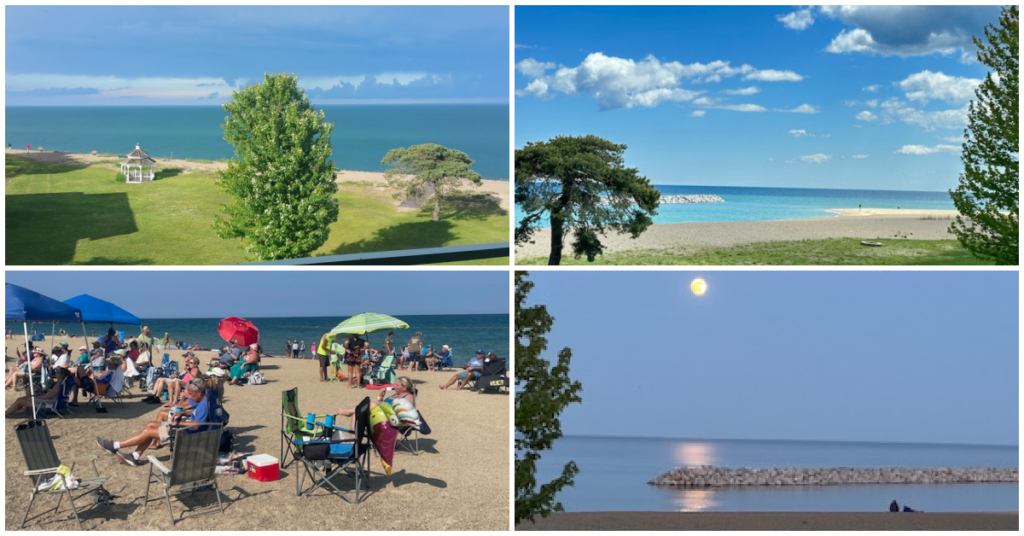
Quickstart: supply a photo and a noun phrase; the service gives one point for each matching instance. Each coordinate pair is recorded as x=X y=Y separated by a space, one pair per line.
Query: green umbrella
x=367 y=322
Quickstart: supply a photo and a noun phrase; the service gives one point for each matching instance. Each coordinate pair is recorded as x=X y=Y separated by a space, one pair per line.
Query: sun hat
x=64 y=343
x=481 y=352
x=446 y=346
x=82 y=348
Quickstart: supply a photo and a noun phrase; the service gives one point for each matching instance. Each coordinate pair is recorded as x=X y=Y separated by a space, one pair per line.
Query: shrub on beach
x=282 y=178
x=121 y=178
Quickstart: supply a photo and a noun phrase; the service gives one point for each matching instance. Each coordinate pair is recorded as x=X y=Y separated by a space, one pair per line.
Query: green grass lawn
x=61 y=214
x=832 y=251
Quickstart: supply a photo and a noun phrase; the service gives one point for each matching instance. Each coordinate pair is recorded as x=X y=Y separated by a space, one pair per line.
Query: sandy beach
x=760 y=521
x=867 y=223
x=459 y=481
x=499 y=190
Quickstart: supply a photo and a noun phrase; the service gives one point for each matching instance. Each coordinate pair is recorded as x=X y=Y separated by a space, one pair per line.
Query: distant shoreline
x=761 y=521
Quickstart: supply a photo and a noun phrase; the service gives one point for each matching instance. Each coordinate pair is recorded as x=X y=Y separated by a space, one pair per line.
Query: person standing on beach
x=145 y=338
x=287 y=347
x=323 y=354
x=302 y=348
x=389 y=346
x=167 y=341
x=415 y=346
x=295 y=349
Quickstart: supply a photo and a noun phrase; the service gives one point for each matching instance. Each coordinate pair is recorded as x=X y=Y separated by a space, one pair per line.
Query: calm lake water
x=764 y=204
x=464 y=333
x=362 y=135
x=614 y=472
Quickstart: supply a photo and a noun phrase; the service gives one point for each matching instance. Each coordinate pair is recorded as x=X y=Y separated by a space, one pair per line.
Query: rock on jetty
x=706 y=476
x=696 y=198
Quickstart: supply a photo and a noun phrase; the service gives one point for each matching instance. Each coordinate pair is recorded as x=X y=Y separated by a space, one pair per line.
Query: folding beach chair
x=193 y=465
x=324 y=459
x=294 y=425
x=58 y=405
x=494 y=377
x=43 y=467
x=383 y=372
x=409 y=435
x=446 y=363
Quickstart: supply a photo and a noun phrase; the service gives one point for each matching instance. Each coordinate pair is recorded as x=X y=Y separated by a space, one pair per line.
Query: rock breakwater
x=711 y=476
x=696 y=198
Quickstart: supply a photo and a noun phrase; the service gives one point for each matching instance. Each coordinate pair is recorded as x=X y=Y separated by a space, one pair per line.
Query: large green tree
x=988 y=197
x=542 y=392
x=582 y=186
x=282 y=178
x=412 y=170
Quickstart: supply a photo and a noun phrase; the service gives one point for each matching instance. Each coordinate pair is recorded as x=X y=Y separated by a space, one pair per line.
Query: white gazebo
x=139 y=167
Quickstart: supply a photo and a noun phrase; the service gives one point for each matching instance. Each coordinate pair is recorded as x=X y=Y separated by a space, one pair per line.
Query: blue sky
x=198 y=294
x=91 y=55
x=837 y=97
x=845 y=356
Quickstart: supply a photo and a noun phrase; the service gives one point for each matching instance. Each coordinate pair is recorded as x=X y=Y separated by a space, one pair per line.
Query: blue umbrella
x=28 y=305
x=97 y=310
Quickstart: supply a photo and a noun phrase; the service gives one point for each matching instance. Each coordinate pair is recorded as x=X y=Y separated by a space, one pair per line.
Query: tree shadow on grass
x=412 y=235
x=168 y=173
x=467 y=206
x=44 y=229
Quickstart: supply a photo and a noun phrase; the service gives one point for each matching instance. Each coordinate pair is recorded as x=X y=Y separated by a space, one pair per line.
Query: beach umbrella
x=238 y=329
x=26 y=305
x=365 y=323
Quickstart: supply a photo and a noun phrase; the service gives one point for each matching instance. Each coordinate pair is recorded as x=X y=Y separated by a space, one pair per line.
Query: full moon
x=698 y=287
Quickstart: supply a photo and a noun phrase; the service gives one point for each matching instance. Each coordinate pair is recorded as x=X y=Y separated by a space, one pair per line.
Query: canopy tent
x=134 y=168
x=97 y=310
x=26 y=305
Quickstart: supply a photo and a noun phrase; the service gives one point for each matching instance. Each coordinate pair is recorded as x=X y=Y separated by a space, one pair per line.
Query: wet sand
x=760 y=521
x=855 y=223
x=460 y=480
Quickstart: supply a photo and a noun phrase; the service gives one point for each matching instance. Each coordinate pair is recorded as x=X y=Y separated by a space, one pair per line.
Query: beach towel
x=381 y=386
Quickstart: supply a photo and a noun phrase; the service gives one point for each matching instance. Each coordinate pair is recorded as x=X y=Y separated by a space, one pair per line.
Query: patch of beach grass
x=60 y=214
x=824 y=252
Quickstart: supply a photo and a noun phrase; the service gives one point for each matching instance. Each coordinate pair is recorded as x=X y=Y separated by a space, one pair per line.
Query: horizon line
x=796 y=440
x=327 y=102
x=208 y=317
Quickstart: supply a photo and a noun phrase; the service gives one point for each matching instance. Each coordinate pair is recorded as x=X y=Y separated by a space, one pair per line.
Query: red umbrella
x=238 y=329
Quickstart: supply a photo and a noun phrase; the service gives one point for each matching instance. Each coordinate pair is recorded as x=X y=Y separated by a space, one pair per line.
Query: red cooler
x=262 y=467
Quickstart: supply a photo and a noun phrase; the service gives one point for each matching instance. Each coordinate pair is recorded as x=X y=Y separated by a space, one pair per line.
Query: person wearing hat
x=156 y=432
x=473 y=369
x=61 y=356
x=109 y=341
x=20 y=371
x=145 y=338
x=442 y=356
x=113 y=377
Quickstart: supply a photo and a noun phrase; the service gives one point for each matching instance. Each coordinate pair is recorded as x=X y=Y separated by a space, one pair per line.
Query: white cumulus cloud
x=698 y=113
x=866 y=116
x=926 y=85
x=798 y=20
x=533 y=68
x=908 y=30
x=897 y=110
x=752 y=90
x=617 y=83
x=804 y=109
x=818 y=158
x=798 y=133
x=872 y=88
x=859 y=156
x=920 y=150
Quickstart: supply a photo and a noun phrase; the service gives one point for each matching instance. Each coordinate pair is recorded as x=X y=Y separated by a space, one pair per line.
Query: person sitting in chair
x=157 y=431
x=403 y=402
x=25 y=402
x=38 y=357
x=174 y=385
x=249 y=363
x=472 y=370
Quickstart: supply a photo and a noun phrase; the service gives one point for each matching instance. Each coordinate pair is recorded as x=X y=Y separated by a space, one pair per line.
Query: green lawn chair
x=294 y=425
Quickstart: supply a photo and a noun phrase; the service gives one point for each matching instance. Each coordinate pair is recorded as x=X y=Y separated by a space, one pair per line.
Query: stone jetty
x=707 y=476
x=696 y=198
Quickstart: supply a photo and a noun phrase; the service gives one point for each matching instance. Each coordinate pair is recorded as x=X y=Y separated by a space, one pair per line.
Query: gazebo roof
x=138 y=156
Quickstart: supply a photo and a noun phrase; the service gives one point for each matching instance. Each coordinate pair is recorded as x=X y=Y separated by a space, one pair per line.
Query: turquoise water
x=362 y=134
x=764 y=204
x=614 y=472
x=464 y=333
